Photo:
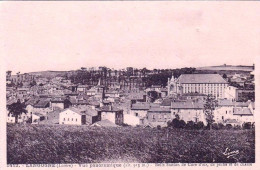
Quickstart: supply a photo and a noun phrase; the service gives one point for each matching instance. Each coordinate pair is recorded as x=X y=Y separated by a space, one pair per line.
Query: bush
x=190 y=125
x=29 y=120
x=182 y=124
x=228 y=126
x=176 y=123
x=247 y=125
x=199 y=125
x=60 y=144
x=215 y=126
x=237 y=127
x=220 y=126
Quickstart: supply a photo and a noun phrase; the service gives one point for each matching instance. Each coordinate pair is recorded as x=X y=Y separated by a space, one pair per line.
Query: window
x=76 y=120
x=68 y=119
x=71 y=119
x=222 y=117
x=136 y=114
x=64 y=119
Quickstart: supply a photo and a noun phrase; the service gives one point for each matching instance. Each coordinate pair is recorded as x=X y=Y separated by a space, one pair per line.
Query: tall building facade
x=212 y=84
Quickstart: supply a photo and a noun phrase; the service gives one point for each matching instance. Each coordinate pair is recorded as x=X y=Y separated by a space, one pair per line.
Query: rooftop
x=187 y=105
x=109 y=109
x=32 y=101
x=225 y=102
x=159 y=109
x=41 y=104
x=201 y=78
x=231 y=121
x=83 y=111
x=242 y=111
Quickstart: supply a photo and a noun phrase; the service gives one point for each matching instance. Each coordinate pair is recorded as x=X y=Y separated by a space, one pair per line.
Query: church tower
x=172 y=86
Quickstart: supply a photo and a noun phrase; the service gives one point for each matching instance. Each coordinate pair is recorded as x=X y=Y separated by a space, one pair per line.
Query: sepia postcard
x=129 y=85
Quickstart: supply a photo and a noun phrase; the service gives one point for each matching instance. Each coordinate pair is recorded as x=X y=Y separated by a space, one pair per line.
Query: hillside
x=49 y=74
x=29 y=144
x=227 y=68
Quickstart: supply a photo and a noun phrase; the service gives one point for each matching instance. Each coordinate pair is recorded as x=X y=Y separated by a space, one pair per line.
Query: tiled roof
x=231 y=121
x=38 y=114
x=109 y=109
x=87 y=110
x=159 y=109
x=83 y=86
x=41 y=104
x=241 y=104
x=94 y=103
x=225 y=102
x=144 y=106
x=83 y=110
x=140 y=106
x=201 y=78
x=76 y=110
x=242 y=111
x=167 y=102
x=57 y=100
x=23 y=89
x=11 y=101
x=32 y=101
x=194 y=94
x=187 y=105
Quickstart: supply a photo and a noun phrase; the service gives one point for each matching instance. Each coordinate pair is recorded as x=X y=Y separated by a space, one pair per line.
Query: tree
x=209 y=107
x=190 y=125
x=33 y=83
x=16 y=109
x=153 y=95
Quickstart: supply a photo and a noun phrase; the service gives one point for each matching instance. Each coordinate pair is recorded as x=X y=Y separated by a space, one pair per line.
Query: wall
x=223 y=113
x=108 y=116
x=159 y=116
x=141 y=113
x=59 y=105
x=190 y=115
x=71 y=118
x=131 y=120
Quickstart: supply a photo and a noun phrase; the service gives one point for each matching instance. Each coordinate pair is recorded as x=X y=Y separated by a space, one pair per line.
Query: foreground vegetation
x=82 y=144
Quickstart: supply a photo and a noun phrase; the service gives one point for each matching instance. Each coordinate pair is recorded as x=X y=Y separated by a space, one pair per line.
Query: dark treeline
x=140 y=77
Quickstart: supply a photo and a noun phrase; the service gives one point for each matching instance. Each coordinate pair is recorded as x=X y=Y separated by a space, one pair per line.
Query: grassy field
x=82 y=144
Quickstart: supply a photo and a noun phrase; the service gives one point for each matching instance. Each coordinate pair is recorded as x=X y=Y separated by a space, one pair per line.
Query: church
x=213 y=84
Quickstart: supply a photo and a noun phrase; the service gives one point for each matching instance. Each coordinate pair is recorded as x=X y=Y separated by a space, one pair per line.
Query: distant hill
x=49 y=74
x=227 y=68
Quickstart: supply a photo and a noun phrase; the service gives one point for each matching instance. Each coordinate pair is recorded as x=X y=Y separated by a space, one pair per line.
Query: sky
x=39 y=36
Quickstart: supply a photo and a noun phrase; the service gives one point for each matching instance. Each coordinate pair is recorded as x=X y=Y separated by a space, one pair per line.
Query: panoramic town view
x=143 y=84
x=91 y=115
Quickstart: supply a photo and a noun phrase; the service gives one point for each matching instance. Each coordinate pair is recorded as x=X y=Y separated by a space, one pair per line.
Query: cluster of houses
x=58 y=101
x=186 y=97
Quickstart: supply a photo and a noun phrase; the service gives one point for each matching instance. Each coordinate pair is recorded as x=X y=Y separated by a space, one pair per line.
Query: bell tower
x=172 y=86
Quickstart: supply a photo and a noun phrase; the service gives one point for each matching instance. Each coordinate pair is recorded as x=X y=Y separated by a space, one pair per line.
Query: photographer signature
x=229 y=154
